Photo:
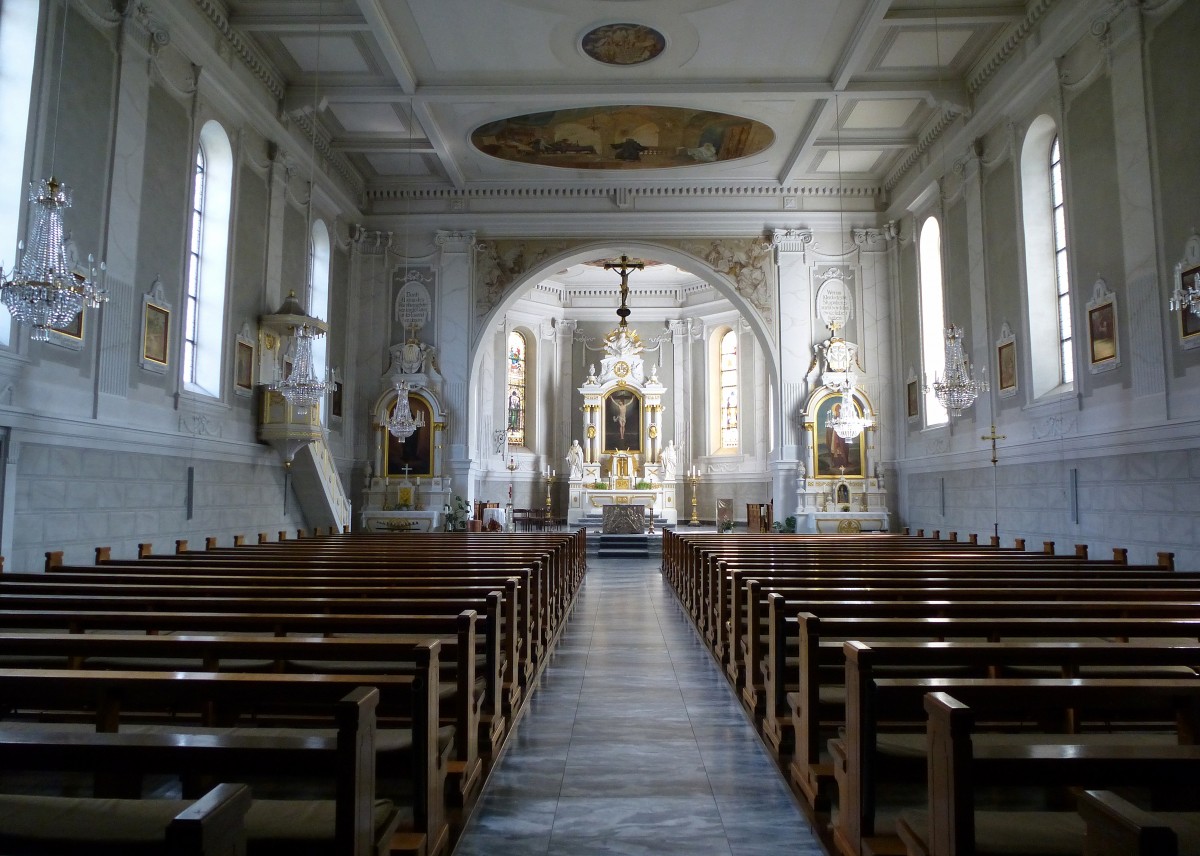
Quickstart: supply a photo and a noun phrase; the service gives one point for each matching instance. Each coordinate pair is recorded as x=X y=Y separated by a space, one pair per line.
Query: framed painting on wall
x=913 y=398
x=834 y=457
x=1104 y=351
x=1189 y=321
x=1006 y=362
x=243 y=367
x=622 y=421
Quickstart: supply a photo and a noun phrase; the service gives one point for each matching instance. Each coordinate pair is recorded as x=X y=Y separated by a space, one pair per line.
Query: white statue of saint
x=669 y=458
x=575 y=460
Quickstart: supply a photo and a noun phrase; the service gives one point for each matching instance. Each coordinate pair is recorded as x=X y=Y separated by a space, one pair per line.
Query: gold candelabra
x=694 y=479
x=549 y=479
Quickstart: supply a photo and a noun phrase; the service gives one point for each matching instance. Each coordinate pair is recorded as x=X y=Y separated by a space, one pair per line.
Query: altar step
x=625 y=546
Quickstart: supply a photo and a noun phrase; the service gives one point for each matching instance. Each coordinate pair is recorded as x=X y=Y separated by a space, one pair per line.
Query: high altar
x=622 y=460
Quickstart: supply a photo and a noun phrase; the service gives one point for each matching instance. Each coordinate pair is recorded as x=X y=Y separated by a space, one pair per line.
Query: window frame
x=1052 y=362
x=210 y=231
x=931 y=294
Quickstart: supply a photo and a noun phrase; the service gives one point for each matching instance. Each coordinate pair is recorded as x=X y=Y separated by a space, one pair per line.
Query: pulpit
x=624 y=519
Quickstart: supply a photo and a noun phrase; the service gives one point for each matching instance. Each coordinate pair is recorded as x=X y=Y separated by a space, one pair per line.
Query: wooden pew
x=363 y=657
x=950 y=824
x=348 y=759
x=819 y=702
x=1115 y=827
x=753 y=632
x=213 y=825
x=858 y=764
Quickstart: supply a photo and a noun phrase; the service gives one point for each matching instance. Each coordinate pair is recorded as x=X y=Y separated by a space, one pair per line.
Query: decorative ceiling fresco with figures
x=627 y=137
x=466 y=99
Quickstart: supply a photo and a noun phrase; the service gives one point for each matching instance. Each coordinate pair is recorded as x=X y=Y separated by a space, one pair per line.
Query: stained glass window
x=515 y=399
x=729 y=390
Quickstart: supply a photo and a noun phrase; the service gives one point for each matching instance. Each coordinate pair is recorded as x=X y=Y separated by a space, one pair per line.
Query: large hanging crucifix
x=624 y=268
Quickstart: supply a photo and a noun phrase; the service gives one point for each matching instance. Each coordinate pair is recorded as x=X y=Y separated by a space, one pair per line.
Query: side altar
x=622 y=460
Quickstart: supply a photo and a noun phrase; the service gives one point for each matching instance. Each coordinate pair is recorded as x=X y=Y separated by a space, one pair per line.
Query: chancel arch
x=568 y=303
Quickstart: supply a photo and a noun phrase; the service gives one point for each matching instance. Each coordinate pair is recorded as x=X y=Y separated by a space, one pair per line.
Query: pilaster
x=1136 y=188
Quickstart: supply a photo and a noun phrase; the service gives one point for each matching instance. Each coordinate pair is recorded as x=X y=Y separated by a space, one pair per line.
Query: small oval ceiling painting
x=622 y=138
x=623 y=44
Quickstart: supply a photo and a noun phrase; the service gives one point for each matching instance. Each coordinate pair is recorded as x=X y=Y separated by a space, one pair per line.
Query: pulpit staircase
x=318 y=487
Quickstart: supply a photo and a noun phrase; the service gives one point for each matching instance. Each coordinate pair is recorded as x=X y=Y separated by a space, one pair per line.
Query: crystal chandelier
x=302 y=388
x=957 y=390
x=42 y=290
x=403 y=424
x=843 y=419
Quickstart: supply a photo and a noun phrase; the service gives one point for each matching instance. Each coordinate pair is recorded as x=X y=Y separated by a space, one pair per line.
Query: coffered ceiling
x=846 y=87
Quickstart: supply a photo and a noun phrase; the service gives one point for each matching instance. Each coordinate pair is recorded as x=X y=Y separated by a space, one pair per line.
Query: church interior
x=910 y=270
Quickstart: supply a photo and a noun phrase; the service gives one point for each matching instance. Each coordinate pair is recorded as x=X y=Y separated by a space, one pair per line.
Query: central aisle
x=633 y=744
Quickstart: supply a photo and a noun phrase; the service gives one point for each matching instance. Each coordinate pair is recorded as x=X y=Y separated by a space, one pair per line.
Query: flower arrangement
x=600 y=485
x=457 y=513
x=643 y=485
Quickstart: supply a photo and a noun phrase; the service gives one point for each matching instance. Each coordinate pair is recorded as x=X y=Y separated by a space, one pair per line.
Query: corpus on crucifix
x=624 y=268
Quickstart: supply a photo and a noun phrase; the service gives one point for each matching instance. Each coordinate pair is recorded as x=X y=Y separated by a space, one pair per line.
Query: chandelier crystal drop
x=403 y=424
x=844 y=420
x=302 y=388
x=957 y=390
x=42 y=291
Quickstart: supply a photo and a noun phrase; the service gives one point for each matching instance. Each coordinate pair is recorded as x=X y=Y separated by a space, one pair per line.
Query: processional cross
x=624 y=268
x=993 y=436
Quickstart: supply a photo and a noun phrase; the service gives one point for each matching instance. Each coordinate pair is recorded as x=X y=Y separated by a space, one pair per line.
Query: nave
x=633 y=743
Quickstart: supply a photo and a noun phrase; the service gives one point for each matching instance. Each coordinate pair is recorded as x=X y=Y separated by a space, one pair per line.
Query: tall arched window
x=318 y=298
x=208 y=255
x=515 y=399
x=1062 y=276
x=933 y=317
x=725 y=402
x=1047 y=278
x=18 y=47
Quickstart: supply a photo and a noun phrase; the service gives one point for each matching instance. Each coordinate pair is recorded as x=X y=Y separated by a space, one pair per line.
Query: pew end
x=1116 y=827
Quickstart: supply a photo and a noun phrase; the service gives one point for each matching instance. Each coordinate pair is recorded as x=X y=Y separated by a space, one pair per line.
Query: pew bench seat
x=49 y=825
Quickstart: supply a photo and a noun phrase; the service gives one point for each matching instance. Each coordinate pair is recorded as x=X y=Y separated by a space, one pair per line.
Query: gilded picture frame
x=1189 y=321
x=243 y=366
x=1104 y=346
x=833 y=457
x=1007 y=369
x=622 y=421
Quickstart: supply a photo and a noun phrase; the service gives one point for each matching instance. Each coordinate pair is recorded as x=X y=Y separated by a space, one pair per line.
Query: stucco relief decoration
x=501 y=263
x=623 y=137
x=748 y=262
x=623 y=44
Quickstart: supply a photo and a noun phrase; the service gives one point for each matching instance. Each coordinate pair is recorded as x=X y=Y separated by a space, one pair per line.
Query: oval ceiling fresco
x=623 y=44
x=623 y=137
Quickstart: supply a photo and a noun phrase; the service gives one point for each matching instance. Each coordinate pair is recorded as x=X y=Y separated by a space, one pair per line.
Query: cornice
x=253 y=60
x=620 y=195
x=335 y=159
x=987 y=70
x=930 y=137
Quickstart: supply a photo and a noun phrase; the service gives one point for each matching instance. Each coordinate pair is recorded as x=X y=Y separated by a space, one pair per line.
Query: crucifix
x=624 y=268
x=406 y=469
x=993 y=436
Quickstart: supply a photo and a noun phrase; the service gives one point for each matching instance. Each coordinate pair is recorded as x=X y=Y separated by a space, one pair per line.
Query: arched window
x=318 y=298
x=1047 y=279
x=208 y=254
x=725 y=408
x=933 y=317
x=18 y=47
x=515 y=399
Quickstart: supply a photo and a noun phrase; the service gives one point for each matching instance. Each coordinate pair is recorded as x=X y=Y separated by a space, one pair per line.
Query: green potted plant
x=643 y=485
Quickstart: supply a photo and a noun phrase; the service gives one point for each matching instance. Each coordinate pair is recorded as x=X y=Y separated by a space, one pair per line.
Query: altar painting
x=623 y=421
x=833 y=456
x=415 y=451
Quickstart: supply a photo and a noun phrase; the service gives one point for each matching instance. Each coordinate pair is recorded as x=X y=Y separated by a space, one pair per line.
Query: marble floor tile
x=633 y=744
